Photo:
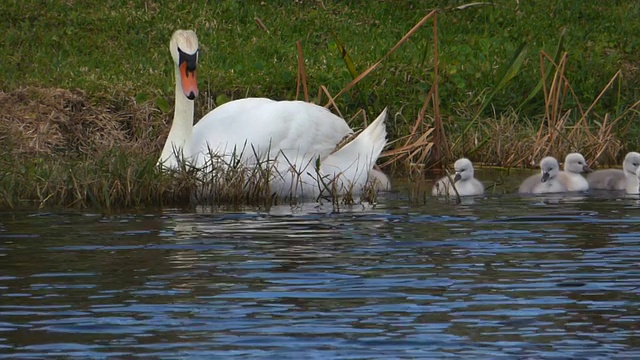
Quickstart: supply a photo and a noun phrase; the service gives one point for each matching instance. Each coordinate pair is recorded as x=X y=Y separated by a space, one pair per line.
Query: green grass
x=117 y=53
x=122 y=47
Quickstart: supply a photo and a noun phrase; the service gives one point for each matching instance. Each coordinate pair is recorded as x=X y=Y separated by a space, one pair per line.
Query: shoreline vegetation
x=86 y=93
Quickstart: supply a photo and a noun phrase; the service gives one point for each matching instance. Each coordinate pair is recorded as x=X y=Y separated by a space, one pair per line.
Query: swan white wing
x=607 y=179
x=442 y=187
x=527 y=186
x=470 y=187
x=297 y=129
x=573 y=181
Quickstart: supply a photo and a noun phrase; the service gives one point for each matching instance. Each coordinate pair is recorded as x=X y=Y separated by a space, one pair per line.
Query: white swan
x=574 y=166
x=616 y=179
x=548 y=181
x=463 y=181
x=296 y=140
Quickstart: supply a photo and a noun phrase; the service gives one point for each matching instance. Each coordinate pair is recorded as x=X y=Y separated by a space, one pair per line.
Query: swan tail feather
x=350 y=165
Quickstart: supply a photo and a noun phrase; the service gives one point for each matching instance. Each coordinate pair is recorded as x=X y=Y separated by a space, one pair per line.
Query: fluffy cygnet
x=574 y=166
x=616 y=179
x=463 y=181
x=548 y=181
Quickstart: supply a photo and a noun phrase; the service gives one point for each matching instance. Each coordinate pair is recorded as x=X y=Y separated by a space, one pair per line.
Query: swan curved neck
x=177 y=146
x=183 y=112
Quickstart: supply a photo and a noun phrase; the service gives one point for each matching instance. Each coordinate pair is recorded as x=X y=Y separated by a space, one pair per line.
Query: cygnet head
x=549 y=167
x=575 y=163
x=464 y=170
x=184 y=51
x=631 y=162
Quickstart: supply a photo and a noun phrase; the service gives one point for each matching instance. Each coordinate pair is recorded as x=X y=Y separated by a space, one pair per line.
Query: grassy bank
x=513 y=81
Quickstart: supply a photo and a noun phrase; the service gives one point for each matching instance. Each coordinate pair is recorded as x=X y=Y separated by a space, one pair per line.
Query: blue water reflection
x=521 y=277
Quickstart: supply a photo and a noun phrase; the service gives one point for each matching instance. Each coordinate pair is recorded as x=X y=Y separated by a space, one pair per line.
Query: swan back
x=260 y=129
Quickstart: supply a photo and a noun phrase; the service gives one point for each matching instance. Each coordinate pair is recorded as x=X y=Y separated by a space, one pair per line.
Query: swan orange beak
x=189 y=82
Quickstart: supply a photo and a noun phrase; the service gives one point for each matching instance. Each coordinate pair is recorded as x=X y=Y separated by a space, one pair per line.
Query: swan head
x=575 y=163
x=184 y=51
x=549 y=168
x=631 y=162
x=464 y=170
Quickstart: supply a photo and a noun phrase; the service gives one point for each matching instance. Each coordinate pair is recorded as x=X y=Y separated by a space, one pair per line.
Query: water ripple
x=492 y=278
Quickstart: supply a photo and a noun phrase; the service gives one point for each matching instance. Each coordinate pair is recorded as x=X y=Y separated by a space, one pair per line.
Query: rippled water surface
x=521 y=277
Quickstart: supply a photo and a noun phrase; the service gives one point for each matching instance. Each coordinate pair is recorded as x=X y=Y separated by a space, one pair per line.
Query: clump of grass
x=117 y=179
x=62 y=149
x=509 y=139
x=505 y=140
x=111 y=180
x=565 y=130
x=43 y=121
x=421 y=145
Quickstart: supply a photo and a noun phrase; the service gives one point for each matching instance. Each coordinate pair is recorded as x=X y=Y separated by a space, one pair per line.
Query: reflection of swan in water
x=309 y=221
x=286 y=238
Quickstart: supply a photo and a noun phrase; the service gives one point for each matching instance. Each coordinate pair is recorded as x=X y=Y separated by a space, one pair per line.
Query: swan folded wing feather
x=470 y=187
x=607 y=179
x=351 y=164
x=530 y=183
x=443 y=187
x=574 y=181
x=267 y=128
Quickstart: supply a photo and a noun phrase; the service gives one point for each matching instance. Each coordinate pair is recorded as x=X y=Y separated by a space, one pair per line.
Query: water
x=499 y=276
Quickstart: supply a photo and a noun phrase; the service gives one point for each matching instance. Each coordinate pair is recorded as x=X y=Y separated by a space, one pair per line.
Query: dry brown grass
x=504 y=140
x=508 y=140
x=63 y=148
x=38 y=121
x=567 y=129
